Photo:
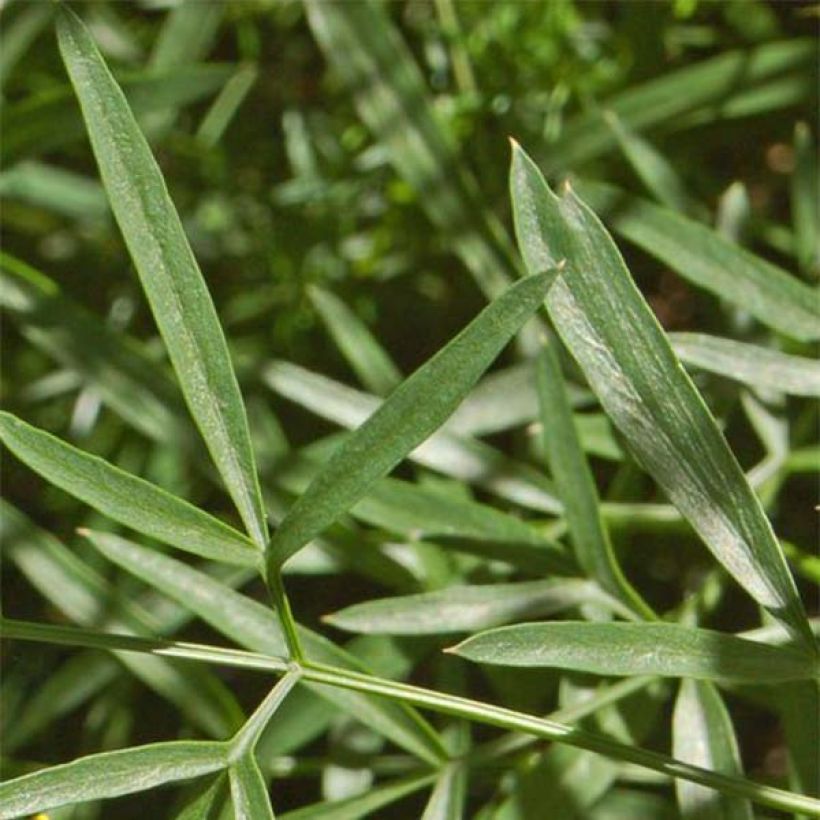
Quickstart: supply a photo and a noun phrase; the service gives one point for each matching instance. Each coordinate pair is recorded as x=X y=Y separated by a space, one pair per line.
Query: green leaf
x=187 y=34
x=246 y=739
x=750 y=364
x=653 y=169
x=455 y=455
x=249 y=792
x=224 y=107
x=73 y=683
x=417 y=512
x=663 y=649
x=702 y=733
x=363 y=805
x=708 y=86
x=613 y=335
x=799 y=707
x=131 y=383
x=82 y=595
x=414 y=410
x=54 y=189
x=168 y=271
x=125 y=498
x=707 y=260
x=258 y=628
x=576 y=486
x=804 y=205
x=366 y=356
x=50 y=120
x=447 y=801
x=109 y=774
x=469 y=608
x=119 y=642
x=206 y=800
x=17 y=36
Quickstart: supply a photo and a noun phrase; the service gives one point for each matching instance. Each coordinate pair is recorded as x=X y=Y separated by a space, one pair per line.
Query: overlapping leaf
x=612 y=334
x=414 y=410
x=124 y=497
x=168 y=271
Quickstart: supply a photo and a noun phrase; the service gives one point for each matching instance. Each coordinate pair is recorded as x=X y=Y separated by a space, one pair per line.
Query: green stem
x=437 y=701
x=550 y=730
x=280 y=600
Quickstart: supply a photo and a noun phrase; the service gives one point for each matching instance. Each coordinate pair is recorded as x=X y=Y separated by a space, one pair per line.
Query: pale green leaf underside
x=469 y=608
x=109 y=774
x=167 y=268
x=702 y=733
x=628 y=362
x=414 y=410
x=638 y=649
x=750 y=364
x=124 y=497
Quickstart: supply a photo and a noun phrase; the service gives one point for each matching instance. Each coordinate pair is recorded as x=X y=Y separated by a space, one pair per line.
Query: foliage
x=564 y=513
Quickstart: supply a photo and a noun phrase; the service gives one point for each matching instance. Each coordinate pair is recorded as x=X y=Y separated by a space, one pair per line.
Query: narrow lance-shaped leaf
x=750 y=364
x=366 y=356
x=627 y=360
x=225 y=106
x=109 y=774
x=84 y=596
x=654 y=170
x=416 y=512
x=249 y=794
x=167 y=268
x=702 y=733
x=448 y=798
x=469 y=608
x=414 y=410
x=703 y=257
x=455 y=455
x=620 y=648
x=576 y=486
x=125 y=498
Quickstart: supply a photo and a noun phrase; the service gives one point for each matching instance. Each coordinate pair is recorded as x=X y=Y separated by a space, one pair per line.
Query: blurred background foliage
x=282 y=185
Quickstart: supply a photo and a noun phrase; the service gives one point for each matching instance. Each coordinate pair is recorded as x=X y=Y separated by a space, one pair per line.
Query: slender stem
x=512 y=743
x=280 y=600
x=437 y=701
x=550 y=730
x=11 y=629
x=245 y=740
